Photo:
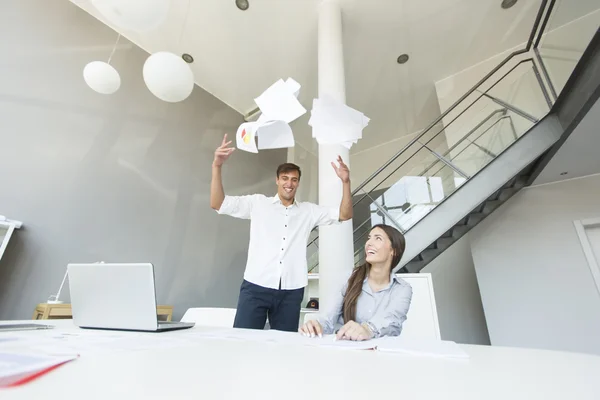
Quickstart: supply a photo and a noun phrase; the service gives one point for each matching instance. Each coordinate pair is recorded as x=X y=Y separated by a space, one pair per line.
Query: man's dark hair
x=288 y=167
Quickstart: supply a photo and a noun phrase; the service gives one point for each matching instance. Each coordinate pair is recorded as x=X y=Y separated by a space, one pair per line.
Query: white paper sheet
x=254 y=335
x=293 y=87
x=282 y=338
x=97 y=345
x=421 y=347
x=335 y=123
x=279 y=106
x=278 y=102
x=330 y=341
x=275 y=135
x=18 y=366
x=245 y=137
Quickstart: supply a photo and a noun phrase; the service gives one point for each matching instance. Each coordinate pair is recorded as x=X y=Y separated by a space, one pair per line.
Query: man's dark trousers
x=256 y=302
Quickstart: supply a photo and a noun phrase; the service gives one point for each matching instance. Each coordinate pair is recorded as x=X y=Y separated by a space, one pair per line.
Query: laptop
x=116 y=296
x=23 y=327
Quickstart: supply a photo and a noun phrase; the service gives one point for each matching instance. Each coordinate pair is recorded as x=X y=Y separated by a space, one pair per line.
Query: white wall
x=460 y=312
x=536 y=286
x=123 y=178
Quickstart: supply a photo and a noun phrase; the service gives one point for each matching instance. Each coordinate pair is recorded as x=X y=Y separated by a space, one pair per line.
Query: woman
x=374 y=302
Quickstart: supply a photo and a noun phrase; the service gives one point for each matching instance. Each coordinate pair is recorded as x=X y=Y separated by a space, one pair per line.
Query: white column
x=336 y=254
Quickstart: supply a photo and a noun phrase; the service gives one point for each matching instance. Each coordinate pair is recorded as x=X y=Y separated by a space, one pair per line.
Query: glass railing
x=566 y=34
x=469 y=135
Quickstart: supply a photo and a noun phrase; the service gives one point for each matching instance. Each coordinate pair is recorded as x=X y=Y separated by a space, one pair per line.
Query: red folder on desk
x=18 y=368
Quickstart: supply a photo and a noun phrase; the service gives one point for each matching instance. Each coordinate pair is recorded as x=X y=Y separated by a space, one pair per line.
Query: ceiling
x=238 y=54
x=578 y=156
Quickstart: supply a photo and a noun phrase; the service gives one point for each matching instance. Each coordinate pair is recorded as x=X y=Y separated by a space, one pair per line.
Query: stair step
x=414 y=266
x=444 y=243
x=490 y=206
x=506 y=194
x=416 y=259
x=463 y=221
x=430 y=254
x=510 y=183
x=520 y=182
x=494 y=195
x=475 y=218
x=447 y=234
x=459 y=231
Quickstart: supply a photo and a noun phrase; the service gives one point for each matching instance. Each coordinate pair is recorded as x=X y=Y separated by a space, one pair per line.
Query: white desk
x=224 y=369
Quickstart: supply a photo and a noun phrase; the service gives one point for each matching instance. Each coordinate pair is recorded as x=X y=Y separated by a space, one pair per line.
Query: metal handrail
x=479 y=125
x=483 y=149
x=466 y=138
x=437 y=120
x=473 y=90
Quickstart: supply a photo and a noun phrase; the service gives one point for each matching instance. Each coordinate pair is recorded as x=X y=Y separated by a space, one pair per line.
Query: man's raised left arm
x=343 y=173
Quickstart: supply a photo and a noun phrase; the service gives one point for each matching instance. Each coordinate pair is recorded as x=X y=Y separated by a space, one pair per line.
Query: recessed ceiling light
x=242 y=4
x=564 y=173
x=403 y=58
x=506 y=4
x=187 y=58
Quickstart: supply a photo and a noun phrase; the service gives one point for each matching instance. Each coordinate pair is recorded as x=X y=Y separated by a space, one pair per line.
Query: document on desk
x=16 y=368
x=421 y=347
x=280 y=337
x=93 y=343
x=330 y=341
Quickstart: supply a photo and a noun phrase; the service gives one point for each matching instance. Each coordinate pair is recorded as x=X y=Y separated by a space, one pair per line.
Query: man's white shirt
x=278 y=237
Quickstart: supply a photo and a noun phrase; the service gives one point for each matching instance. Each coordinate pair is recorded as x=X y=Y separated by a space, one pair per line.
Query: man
x=276 y=270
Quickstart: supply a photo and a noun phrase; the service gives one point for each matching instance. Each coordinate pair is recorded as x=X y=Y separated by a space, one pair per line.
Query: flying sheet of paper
x=341 y=122
x=335 y=123
x=279 y=101
x=293 y=87
x=245 y=137
x=279 y=106
x=275 y=135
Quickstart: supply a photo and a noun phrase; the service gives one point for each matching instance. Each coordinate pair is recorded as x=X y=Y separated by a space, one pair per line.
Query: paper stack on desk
x=279 y=106
x=335 y=123
x=17 y=368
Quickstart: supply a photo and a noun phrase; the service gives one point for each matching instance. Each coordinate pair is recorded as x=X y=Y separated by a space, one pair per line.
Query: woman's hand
x=312 y=328
x=353 y=331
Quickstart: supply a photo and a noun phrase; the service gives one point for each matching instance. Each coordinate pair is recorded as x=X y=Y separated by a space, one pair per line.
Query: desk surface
x=226 y=369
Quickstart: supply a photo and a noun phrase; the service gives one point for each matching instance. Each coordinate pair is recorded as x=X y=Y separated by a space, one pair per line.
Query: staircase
x=469 y=222
x=487 y=146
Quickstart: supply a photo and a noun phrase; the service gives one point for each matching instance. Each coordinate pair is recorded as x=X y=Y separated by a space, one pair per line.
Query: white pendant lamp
x=168 y=77
x=102 y=77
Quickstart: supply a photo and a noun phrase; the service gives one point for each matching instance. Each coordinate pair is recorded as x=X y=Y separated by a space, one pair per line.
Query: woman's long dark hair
x=359 y=274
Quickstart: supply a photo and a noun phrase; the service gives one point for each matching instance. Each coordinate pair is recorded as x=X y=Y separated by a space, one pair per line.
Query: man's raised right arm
x=217 y=194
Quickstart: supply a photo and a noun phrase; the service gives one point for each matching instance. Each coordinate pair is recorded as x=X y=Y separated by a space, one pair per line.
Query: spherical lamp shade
x=102 y=77
x=168 y=77
x=134 y=15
